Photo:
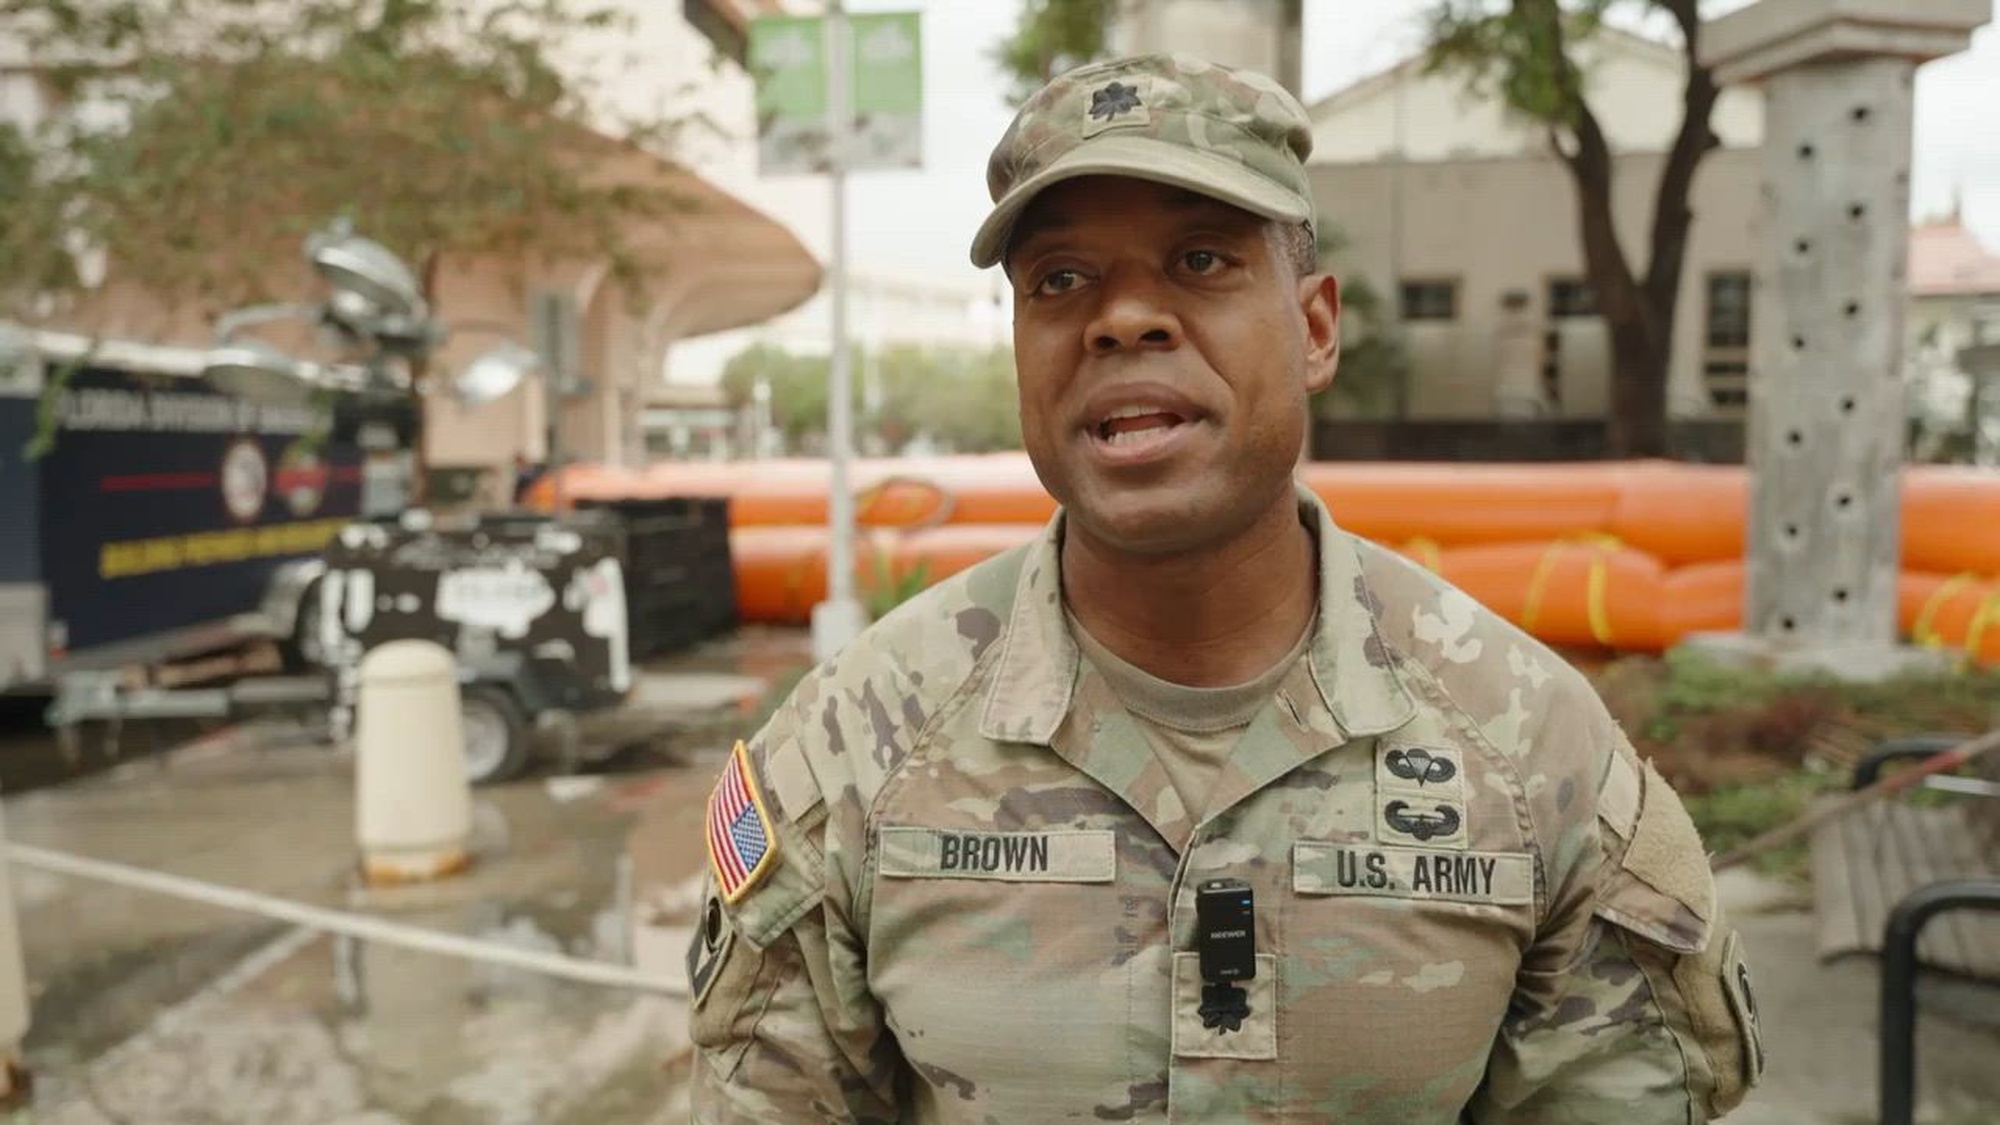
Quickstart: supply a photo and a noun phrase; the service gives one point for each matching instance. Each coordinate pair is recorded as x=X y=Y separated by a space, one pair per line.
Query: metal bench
x=1917 y=881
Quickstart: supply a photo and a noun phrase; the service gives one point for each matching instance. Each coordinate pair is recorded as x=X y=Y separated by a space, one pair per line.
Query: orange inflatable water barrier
x=1952 y=611
x=1465 y=504
x=1587 y=590
x=1700 y=598
x=1629 y=555
x=1679 y=513
x=781 y=570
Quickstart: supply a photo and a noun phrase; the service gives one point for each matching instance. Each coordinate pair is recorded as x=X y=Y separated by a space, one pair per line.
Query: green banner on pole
x=788 y=56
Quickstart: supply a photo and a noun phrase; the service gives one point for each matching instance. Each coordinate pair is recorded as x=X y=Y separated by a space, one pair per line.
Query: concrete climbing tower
x=1264 y=35
x=1826 y=415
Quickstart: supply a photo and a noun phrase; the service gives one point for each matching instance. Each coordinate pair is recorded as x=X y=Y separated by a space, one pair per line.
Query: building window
x=1725 y=365
x=1729 y=310
x=1571 y=297
x=1430 y=300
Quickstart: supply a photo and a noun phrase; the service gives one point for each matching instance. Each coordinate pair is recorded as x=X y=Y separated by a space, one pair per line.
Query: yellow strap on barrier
x=1428 y=552
x=1923 y=631
x=1987 y=614
x=867 y=498
x=1595 y=584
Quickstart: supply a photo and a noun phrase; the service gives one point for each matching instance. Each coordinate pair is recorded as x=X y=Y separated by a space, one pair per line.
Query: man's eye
x=1058 y=281
x=1202 y=261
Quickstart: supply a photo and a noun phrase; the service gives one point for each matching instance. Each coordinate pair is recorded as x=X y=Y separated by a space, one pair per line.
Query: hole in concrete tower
x=1791 y=533
x=1840 y=595
x=1803 y=246
x=1859 y=113
x=1903 y=178
x=1844 y=501
x=1795 y=438
x=1788 y=624
x=1806 y=151
x=1857 y=211
x=1798 y=343
x=1853 y=309
x=1847 y=404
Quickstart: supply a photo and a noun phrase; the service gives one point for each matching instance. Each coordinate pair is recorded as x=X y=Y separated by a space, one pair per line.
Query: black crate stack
x=680 y=581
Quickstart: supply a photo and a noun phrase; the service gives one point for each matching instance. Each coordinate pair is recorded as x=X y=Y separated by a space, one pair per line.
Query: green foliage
x=965 y=399
x=30 y=237
x=1374 y=363
x=1518 y=50
x=798 y=388
x=224 y=130
x=886 y=589
x=1052 y=36
x=961 y=398
x=1697 y=686
x=1730 y=816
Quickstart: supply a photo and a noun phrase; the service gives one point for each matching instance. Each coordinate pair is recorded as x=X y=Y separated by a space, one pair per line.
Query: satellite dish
x=493 y=375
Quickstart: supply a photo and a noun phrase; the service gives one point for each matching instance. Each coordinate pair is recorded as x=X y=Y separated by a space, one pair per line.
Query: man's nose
x=1134 y=314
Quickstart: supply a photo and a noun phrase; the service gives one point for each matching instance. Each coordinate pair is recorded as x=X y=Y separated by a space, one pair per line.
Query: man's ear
x=1319 y=302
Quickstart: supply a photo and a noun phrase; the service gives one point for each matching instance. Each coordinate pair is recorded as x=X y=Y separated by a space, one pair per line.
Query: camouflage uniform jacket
x=1473 y=902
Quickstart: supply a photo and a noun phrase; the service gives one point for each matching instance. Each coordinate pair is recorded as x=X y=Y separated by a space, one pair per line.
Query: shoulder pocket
x=1662 y=888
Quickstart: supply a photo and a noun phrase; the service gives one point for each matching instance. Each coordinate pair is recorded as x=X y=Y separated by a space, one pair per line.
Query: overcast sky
x=919 y=223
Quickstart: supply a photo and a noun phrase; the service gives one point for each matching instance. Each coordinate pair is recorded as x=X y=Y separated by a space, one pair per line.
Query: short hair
x=1296 y=243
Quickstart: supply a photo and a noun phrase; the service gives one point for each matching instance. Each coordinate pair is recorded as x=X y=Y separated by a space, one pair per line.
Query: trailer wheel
x=303 y=651
x=496 y=735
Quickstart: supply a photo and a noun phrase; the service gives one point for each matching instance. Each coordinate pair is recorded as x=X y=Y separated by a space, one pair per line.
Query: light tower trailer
x=156 y=532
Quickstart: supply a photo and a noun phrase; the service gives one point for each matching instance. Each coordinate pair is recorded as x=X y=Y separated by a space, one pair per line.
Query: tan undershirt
x=1193 y=730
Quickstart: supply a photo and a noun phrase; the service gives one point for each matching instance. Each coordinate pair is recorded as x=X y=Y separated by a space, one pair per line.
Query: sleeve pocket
x=1662 y=892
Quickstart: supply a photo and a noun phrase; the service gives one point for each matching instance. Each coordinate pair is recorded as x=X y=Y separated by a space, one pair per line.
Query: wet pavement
x=154 y=1010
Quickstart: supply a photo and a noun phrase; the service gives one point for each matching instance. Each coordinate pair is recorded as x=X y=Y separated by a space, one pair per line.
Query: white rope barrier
x=343 y=922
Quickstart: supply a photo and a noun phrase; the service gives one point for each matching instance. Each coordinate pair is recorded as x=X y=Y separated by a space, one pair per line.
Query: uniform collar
x=1034 y=684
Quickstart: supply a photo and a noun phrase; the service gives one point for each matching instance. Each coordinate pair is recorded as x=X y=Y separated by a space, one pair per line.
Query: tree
x=1052 y=36
x=963 y=399
x=1524 y=51
x=797 y=386
x=1374 y=365
x=220 y=130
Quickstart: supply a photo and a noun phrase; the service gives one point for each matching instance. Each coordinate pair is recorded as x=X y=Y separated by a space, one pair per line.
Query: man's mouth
x=1133 y=424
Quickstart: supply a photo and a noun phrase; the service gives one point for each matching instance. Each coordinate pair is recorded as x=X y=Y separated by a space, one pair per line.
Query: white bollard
x=14 y=1011
x=412 y=800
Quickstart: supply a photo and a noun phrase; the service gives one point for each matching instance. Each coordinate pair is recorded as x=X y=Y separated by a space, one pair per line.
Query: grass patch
x=1730 y=816
x=1749 y=750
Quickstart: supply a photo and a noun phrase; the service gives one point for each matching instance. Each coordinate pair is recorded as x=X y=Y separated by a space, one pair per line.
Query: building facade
x=1954 y=307
x=1458 y=212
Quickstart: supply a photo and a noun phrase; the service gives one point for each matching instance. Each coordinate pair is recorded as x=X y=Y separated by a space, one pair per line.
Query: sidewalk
x=151 y=1009
x=1820 y=1023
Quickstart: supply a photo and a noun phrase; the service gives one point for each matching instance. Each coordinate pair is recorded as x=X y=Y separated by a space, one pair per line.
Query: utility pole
x=839 y=619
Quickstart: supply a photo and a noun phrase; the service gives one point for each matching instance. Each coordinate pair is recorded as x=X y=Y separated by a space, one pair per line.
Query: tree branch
x=1590 y=164
x=1672 y=212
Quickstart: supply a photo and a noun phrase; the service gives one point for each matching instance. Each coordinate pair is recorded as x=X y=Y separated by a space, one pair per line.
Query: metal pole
x=16 y=1011
x=553 y=381
x=1898 y=1065
x=838 y=619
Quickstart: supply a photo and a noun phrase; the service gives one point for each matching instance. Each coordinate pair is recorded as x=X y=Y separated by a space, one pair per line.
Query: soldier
x=1199 y=808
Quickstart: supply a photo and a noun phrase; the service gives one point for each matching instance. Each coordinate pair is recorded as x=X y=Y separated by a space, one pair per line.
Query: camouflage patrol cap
x=1174 y=119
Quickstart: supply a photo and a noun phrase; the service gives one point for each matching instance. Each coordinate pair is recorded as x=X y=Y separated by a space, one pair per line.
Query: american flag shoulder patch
x=741 y=845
